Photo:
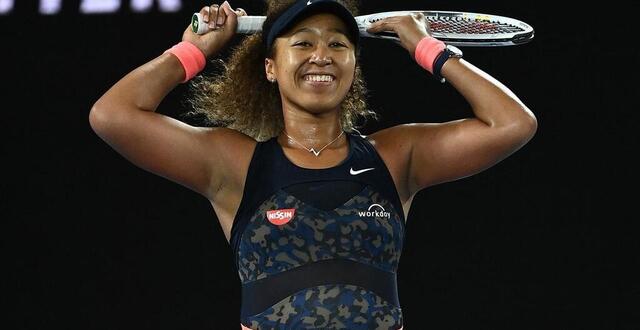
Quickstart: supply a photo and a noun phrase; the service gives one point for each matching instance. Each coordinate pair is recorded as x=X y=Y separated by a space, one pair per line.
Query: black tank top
x=319 y=248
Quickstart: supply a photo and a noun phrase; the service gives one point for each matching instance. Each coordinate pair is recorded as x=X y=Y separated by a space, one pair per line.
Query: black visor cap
x=302 y=9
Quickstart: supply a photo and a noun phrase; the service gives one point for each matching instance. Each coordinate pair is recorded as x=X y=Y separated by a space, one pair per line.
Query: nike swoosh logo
x=353 y=172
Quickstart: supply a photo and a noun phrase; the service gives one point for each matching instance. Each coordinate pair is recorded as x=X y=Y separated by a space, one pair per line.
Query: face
x=314 y=64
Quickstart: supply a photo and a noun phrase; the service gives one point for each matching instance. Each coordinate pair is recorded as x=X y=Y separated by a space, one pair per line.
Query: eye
x=339 y=44
x=302 y=43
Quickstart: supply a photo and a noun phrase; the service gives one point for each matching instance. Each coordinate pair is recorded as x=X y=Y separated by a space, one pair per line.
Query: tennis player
x=313 y=210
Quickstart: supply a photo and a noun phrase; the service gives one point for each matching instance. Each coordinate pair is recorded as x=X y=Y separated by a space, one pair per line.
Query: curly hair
x=257 y=111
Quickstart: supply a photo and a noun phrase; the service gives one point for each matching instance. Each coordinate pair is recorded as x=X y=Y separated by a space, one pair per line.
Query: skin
x=311 y=114
x=214 y=161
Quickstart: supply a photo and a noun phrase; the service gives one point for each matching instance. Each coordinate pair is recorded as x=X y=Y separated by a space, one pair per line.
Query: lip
x=318 y=83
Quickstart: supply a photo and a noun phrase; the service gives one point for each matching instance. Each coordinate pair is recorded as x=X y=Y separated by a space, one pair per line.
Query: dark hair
x=242 y=99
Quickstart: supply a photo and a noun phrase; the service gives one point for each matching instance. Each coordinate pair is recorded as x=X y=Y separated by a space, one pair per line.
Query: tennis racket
x=454 y=28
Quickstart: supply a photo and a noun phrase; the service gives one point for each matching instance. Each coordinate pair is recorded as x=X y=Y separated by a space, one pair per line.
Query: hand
x=409 y=28
x=222 y=30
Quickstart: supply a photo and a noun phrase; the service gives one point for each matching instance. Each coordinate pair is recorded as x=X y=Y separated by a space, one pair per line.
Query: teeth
x=317 y=77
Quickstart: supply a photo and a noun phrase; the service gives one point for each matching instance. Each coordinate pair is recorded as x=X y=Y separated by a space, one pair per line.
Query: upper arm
x=443 y=152
x=425 y=154
x=194 y=157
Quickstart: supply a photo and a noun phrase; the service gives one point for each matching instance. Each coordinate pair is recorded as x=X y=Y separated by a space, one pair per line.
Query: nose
x=321 y=56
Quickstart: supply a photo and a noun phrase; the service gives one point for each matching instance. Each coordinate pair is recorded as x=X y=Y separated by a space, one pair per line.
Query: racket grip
x=198 y=26
x=246 y=24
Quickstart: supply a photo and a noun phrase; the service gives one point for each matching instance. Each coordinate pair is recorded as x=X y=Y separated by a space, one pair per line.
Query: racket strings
x=463 y=25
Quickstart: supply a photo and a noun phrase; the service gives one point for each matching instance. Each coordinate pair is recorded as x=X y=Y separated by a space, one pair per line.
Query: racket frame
x=253 y=24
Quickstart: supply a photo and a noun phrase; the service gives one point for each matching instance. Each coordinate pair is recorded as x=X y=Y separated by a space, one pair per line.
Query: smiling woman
x=315 y=217
x=313 y=65
x=217 y=97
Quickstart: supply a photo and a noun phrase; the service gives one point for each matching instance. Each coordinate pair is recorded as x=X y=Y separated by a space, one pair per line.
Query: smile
x=319 y=80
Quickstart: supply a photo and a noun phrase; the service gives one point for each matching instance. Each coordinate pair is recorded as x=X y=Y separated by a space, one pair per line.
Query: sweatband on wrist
x=191 y=58
x=427 y=51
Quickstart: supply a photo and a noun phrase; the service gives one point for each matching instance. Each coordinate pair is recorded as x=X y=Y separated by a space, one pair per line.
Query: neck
x=312 y=129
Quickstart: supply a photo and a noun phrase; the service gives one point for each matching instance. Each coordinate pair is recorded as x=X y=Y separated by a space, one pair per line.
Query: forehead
x=320 y=22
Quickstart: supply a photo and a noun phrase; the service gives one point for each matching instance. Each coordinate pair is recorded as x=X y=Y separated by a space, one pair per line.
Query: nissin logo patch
x=281 y=216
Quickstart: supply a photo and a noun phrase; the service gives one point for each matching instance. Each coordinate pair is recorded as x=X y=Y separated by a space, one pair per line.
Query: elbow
x=104 y=118
x=520 y=127
x=526 y=125
x=530 y=125
x=97 y=118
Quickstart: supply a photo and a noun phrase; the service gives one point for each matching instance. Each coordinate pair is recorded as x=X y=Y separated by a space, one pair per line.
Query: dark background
x=543 y=240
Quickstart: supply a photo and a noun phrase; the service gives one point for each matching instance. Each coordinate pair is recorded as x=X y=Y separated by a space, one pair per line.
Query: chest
x=228 y=199
x=288 y=230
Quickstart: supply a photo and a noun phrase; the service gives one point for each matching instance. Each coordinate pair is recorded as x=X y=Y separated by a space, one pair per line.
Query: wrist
x=191 y=57
x=448 y=53
x=427 y=51
x=175 y=71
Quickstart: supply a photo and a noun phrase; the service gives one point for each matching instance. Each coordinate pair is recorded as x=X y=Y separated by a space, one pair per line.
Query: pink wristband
x=427 y=50
x=191 y=57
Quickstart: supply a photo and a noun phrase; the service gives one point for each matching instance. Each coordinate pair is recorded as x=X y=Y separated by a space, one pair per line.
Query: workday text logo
x=375 y=210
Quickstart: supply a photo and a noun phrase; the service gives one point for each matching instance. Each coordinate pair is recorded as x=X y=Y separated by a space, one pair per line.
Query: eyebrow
x=306 y=29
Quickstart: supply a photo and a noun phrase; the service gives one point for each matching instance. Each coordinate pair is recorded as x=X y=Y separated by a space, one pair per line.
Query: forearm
x=144 y=87
x=491 y=101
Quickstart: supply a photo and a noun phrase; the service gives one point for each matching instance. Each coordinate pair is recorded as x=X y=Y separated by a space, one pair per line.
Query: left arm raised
x=436 y=153
x=457 y=149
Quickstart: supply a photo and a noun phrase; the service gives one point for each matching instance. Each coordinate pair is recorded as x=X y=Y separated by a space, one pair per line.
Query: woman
x=315 y=214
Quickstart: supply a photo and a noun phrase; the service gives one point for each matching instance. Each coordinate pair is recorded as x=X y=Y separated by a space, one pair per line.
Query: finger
x=213 y=14
x=373 y=27
x=216 y=18
x=380 y=26
x=204 y=12
x=231 y=15
x=223 y=12
x=241 y=12
x=417 y=15
x=384 y=23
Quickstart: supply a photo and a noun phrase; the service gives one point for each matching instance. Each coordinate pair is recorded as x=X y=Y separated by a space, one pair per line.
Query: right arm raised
x=125 y=118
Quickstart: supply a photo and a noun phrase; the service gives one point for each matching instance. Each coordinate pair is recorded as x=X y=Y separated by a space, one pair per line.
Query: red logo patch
x=281 y=216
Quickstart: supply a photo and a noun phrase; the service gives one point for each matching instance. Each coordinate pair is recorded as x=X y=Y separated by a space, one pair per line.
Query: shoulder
x=230 y=152
x=396 y=138
x=228 y=133
x=228 y=145
x=394 y=147
x=403 y=137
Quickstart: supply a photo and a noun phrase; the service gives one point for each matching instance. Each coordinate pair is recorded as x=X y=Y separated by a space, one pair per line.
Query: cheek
x=350 y=75
x=287 y=65
x=350 y=66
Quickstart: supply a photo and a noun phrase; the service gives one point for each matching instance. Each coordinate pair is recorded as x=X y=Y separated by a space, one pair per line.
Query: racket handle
x=246 y=24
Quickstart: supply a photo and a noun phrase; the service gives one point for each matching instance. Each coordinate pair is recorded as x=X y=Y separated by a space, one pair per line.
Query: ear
x=269 y=68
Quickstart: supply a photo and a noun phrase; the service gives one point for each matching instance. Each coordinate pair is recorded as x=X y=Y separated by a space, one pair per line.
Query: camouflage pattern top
x=319 y=248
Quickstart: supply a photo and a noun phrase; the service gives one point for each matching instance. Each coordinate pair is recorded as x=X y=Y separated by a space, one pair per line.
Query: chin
x=317 y=102
x=320 y=105
x=318 y=108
